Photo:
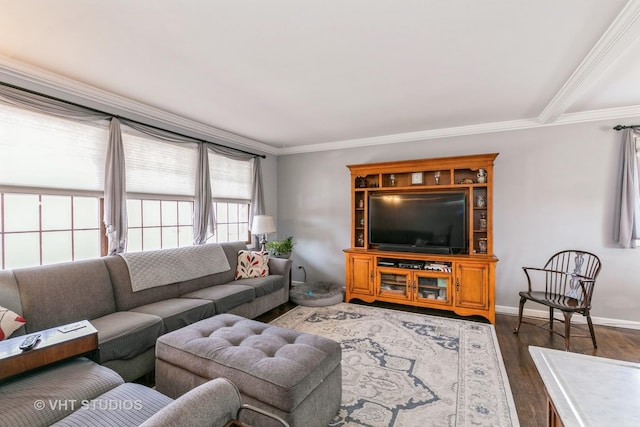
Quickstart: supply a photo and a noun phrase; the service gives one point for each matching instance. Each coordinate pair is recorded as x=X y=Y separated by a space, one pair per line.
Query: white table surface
x=588 y=390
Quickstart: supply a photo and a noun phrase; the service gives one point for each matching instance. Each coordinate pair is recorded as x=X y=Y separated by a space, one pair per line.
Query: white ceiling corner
x=622 y=33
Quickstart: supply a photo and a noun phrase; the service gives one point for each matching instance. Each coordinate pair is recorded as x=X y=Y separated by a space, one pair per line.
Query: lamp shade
x=263 y=224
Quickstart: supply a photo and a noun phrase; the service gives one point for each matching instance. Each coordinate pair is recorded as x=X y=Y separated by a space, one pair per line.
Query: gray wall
x=554 y=189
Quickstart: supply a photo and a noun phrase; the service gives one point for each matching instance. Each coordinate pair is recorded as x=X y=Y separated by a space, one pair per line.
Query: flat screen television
x=419 y=222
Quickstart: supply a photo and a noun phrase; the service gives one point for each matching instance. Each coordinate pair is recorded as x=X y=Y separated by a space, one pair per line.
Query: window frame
x=45 y=192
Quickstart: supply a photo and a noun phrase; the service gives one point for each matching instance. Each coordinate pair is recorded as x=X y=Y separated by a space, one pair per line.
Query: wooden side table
x=53 y=346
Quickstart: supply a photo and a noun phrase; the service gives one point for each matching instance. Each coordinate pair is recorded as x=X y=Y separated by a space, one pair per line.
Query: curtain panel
x=627 y=225
x=115 y=192
x=203 y=216
x=115 y=215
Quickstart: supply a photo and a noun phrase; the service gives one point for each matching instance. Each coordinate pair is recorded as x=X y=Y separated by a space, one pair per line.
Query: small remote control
x=30 y=342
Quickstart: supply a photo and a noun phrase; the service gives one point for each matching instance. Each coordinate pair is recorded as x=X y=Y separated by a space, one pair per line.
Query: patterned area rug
x=407 y=369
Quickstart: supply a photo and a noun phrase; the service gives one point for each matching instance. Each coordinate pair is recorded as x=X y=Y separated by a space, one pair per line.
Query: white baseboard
x=544 y=314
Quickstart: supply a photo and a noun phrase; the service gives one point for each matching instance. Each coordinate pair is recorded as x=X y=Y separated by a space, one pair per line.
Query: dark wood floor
x=526 y=385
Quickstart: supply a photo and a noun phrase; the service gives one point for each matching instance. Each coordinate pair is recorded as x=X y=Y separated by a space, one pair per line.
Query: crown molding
x=506 y=126
x=22 y=75
x=621 y=34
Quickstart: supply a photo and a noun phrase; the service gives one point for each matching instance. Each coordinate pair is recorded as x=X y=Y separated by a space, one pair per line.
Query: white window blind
x=159 y=167
x=48 y=152
x=230 y=179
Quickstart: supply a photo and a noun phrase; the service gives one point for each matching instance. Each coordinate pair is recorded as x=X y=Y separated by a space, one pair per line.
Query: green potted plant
x=280 y=248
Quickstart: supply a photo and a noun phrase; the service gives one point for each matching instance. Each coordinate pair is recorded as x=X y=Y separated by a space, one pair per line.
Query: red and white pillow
x=9 y=322
x=252 y=264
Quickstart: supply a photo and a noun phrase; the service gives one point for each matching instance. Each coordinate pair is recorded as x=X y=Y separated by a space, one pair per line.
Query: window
x=159 y=224
x=52 y=182
x=39 y=229
x=40 y=151
x=232 y=222
x=159 y=167
x=160 y=188
x=231 y=184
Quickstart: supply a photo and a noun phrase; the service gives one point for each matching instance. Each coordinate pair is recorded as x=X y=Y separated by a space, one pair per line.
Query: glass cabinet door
x=433 y=287
x=394 y=284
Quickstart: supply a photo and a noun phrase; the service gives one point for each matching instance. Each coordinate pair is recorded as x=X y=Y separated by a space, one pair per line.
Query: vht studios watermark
x=99 y=405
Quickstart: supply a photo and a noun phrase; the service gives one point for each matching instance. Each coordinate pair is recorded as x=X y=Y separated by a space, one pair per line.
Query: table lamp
x=263 y=224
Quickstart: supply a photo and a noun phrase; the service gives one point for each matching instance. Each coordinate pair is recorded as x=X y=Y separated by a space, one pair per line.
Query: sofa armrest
x=280 y=266
x=211 y=404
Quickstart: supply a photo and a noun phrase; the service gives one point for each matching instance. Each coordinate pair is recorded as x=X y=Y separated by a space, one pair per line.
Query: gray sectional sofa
x=81 y=393
x=128 y=322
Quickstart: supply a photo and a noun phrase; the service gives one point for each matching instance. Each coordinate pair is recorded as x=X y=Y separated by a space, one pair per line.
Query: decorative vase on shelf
x=482 y=245
x=483 y=221
x=482 y=176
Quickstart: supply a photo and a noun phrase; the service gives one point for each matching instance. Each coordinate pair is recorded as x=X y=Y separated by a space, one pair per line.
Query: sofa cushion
x=231 y=250
x=125 y=334
x=44 y=396
x=128 y=404
x=124 y=296
x=9 y=322
x=225 y=297
x=252 y=264
x=58 y=294
x=263 y=285
x=177 y=313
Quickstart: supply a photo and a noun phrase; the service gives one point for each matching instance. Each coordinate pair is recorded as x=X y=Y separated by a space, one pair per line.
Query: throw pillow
x=9 y=322
x=252 y=264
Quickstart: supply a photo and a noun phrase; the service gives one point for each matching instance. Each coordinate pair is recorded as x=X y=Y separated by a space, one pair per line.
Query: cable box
x=416 y=265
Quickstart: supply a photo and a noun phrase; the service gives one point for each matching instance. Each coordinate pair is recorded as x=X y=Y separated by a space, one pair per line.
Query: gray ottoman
x=294 y=375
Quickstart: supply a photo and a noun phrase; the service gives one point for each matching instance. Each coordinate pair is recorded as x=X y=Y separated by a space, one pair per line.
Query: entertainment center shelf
x=422 y=234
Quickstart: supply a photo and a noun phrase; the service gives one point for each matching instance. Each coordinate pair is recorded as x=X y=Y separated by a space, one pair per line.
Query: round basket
x=317 y=294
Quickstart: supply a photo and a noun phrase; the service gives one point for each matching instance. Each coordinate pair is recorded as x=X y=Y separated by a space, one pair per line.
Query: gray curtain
x=627 y=228
x=42 y=104
x=203 y=218
x=115 y=192
x=257 y=195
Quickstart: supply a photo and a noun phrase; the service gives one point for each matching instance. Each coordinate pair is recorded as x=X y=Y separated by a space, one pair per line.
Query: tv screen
x=419 y=222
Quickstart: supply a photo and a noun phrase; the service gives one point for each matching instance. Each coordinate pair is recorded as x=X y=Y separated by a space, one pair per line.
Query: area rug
x=405 y=369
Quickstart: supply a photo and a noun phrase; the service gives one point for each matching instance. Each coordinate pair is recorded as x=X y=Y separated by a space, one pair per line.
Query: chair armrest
x=211 y=404
x=263 y=412
x=547 y=270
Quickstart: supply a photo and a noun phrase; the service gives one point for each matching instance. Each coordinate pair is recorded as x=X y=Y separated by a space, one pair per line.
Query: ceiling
x=287 y=76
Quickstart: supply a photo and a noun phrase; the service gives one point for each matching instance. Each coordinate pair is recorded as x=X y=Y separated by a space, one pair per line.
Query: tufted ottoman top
x=275 y=365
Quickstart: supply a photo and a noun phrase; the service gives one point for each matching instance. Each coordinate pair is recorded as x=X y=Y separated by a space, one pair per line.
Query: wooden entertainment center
x=462 y=282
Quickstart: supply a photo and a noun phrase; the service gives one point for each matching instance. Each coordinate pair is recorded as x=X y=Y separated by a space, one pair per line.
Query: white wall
x=554 y=189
